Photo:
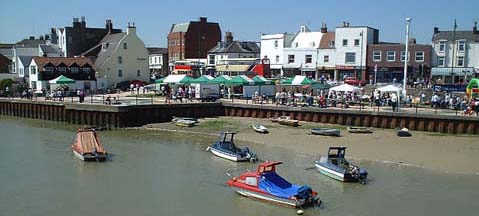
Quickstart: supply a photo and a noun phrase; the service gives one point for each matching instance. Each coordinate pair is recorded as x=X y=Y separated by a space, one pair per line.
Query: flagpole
x=408 y=21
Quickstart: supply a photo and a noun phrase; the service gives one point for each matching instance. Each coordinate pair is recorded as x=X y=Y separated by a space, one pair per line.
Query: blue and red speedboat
x=266 y=185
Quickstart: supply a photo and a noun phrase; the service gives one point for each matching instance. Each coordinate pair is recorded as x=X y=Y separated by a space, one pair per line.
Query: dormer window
x=86 y=69
x=104 y=46
x=331 y=44
x=49 y=69
x=62 y=69
x=74 y=69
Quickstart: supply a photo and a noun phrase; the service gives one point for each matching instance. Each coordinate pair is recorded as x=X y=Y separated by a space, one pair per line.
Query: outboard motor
x=362 y=176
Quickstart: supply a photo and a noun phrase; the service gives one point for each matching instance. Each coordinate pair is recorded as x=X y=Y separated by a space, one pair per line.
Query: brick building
x=389 y=58
x=192 y=40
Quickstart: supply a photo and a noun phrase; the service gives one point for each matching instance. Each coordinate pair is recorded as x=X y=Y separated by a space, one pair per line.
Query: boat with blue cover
x=226 y=148
x=266 y=185
x=336 y=166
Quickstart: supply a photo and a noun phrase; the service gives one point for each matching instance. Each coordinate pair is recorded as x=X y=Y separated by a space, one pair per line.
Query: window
x=309 y=58
x=124 y=45
x=391 y=56
x=441 y=61
x=212 y=59
x=460 y=61
x=104 y=46
x=277 y=59
x=356 y=42
x=86 y=69
x=442 y=46
x=290 y=58
x=21 y=71
x=275 y=44
x=326 y=58
x=296 y=44
x=62 y=69
x=120 y=60
x=49 y=69
x=376 y=56
x=33 y=69
x=461 y=46
x=403 y=56
x=138 y=73
x=74 y=69
x=331 y=44
x=350 y=57
x=345 y=42
x=34 y=85
x=120 y=73
x=420 y=56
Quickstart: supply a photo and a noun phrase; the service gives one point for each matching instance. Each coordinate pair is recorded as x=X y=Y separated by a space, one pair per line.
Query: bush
x=6 y=82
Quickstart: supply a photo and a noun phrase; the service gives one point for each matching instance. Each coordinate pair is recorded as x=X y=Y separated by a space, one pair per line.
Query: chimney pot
x=203 y=19
x=436 y=30
x=474 y=29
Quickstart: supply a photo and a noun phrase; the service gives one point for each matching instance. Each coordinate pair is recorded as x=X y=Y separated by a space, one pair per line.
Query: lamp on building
x=406 y=59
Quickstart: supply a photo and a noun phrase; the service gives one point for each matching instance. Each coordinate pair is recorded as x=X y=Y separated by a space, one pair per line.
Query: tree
x=5 y=82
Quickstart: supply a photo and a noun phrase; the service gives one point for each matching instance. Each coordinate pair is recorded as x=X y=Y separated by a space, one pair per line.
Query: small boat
x=185 y=123
x=274 y=119
x=326 y=131
x=260 y=128
x=359 y=130
x=266 y=185
x=337 y=167
x=87 y=146
x=285 y=120
x=175 y=119
x=226 y=148
x=403 y=132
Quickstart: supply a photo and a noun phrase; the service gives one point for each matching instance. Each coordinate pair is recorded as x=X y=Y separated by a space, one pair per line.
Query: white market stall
x=346 y=88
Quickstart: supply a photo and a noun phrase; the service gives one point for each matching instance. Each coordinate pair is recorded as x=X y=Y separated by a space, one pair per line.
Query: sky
x=247 y=19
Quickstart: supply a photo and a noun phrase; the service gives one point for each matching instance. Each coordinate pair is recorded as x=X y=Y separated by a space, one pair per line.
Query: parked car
x=354 y=81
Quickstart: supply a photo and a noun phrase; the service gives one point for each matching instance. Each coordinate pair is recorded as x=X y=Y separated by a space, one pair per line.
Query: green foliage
x=5 y=82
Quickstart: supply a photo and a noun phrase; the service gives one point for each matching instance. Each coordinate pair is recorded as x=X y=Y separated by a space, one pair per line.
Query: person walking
x=394 y=102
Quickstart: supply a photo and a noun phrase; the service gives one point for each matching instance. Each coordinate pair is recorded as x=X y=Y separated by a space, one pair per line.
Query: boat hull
x=268 y=198
x=262 y=130
x=227 y=155
x=294 y=123
x=326 y=132
x=330 y=172
x=359 y=130
x=89 y=157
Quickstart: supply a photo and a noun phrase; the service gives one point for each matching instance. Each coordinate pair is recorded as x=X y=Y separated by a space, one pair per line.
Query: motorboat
x=326 y=131
x=403 y=132
x=337 y=167
x=185 y=123
x=359 y=130
x=175 y=119
x=286 y=120
x=259 y=128
x=266 y=185
x=226 y=148
x=87 y=147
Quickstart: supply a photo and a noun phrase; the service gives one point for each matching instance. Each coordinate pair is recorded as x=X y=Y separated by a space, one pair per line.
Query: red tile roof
x=327 y=38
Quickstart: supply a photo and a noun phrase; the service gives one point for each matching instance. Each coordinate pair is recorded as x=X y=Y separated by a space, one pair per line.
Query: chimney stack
x=474 y=29
x=109 y=26
x=76 y=23
x=436 y=30
x=228 y=37
x=203 y=20
x=32 y=38
x=324 y=28
x=83 y=22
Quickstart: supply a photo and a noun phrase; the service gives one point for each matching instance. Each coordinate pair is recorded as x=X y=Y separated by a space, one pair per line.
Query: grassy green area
x=220 y=124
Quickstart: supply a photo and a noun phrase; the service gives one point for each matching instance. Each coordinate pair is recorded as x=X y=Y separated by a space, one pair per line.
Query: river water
x=164 y=173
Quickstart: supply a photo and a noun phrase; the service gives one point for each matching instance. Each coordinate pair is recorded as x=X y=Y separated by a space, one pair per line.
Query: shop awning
x=62 y=80
x=448 y=71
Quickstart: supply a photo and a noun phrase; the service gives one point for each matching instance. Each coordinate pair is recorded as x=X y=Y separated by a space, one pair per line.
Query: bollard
x=91 y=97
x=151 y=99
x=103 y=99
x=136 y=99
x=416 y=108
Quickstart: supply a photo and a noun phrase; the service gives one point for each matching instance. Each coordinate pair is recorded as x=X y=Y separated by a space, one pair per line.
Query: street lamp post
x=361 y=60
x=408 y=23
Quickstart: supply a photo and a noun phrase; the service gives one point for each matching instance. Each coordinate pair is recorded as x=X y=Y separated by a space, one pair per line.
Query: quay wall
x=137 y=115
x=110 y=116
x=418 y=122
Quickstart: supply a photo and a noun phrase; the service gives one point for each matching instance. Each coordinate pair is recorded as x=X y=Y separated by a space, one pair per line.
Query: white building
x=120 y=57
x=351 y=50
x=272 y=48
x=455 y=55
x=157 y=61
x=302 y=57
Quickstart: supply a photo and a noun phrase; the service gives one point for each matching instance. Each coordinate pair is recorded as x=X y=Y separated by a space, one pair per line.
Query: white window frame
x=349 y=62
x=443 y=61
x=277 y=59
x=375 y=54
x=394 y=56
x=326 y=58
x=306 y=57
x=359 y=43
x=276 y=44
x=290 y=57
x=120 y=73
x=416 y=55
x=463 y=61
x=345 y=42
x=403 y=54
x=442 y=44
x=138 y=73
x=459 y=46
